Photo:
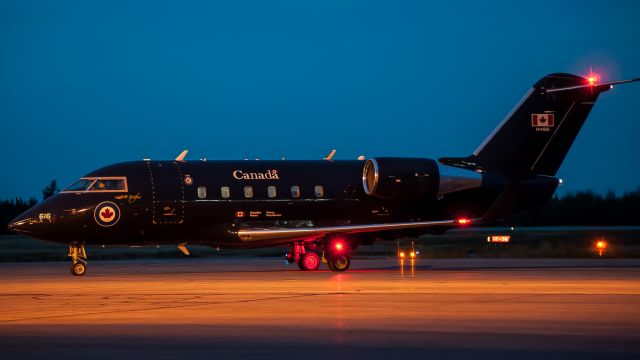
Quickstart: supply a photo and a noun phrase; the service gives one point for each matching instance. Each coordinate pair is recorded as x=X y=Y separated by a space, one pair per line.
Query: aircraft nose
x=44 y=221
x=19 y=225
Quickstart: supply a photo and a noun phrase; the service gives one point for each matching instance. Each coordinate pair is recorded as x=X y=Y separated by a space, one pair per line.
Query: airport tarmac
x=262 y=308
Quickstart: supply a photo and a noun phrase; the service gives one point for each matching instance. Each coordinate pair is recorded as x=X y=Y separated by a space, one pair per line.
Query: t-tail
x=529 y=145
x=534 y=138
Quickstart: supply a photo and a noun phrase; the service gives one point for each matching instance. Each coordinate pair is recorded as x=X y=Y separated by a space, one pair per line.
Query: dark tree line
x=10 y=209
x=50 y=190
x=584 y=209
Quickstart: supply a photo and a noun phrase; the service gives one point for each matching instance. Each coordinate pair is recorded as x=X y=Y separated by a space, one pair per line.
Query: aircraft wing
x=259 y=234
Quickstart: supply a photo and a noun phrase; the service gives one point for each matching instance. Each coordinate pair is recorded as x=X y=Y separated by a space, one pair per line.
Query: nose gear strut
x=79 y=258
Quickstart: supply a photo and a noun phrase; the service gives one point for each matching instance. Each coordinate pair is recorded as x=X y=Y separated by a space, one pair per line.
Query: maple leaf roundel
x=107 y=213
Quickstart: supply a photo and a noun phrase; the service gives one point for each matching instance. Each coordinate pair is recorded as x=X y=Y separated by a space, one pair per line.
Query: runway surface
x=261 y=308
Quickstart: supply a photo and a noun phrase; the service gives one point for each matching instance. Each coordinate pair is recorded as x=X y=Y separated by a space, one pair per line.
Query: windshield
x=80 y=185
x=98 y=184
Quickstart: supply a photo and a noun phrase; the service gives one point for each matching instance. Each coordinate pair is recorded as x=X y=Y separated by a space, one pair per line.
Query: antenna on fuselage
x=330 y=156
x=182 y=155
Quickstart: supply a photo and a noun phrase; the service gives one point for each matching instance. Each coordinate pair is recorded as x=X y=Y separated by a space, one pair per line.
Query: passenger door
x=168 y=193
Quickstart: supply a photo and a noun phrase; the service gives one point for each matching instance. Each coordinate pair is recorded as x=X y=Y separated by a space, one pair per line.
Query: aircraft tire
x=79 y=268
x=309 y=261
x=339 y=263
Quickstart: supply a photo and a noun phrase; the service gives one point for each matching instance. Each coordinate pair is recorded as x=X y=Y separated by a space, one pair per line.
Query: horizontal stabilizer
x=599 y=86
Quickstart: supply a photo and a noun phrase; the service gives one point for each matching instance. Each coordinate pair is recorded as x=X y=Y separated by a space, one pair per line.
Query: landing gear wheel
x=309 y=261
x=339 y=263
x=79 y=259
x=79 y=268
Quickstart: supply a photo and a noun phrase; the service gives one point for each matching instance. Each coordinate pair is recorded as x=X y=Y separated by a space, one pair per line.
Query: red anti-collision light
x=464 y=221
x=593 y=78
x=339 y=246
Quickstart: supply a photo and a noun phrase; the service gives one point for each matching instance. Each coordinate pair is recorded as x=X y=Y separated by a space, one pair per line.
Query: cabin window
x=225 y=192
x=319 y=191
x=295 y=191
x=202 y=192
x=271 y=191
x=248 y=191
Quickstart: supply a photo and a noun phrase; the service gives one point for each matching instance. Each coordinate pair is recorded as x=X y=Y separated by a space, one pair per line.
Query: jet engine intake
x=406 y=179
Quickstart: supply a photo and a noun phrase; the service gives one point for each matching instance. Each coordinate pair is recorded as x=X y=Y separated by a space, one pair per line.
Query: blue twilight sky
x=88 y=83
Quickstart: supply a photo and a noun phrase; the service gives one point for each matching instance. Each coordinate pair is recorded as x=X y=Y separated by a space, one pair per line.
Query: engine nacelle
x=401 y=178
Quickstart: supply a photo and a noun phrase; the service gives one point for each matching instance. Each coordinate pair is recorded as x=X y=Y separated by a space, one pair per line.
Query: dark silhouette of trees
x=50 y=190
x=584 y=209
x=9 y=209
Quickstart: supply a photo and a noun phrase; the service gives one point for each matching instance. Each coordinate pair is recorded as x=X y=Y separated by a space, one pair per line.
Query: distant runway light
x=601 y=246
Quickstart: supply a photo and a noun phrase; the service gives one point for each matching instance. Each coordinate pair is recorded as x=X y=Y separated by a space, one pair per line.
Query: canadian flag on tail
x=542 y=120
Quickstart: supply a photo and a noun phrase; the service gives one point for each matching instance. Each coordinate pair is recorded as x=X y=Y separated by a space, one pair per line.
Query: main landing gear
x=79 y=258
x=339 y=263
x=306 y=260
x=335 y=254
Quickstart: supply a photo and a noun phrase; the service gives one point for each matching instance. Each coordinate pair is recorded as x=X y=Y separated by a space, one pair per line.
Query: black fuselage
x=204 y=202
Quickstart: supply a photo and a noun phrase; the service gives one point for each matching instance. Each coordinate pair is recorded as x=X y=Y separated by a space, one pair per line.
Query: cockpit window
x=99 y=184
x=80 y=185
x=108 y=185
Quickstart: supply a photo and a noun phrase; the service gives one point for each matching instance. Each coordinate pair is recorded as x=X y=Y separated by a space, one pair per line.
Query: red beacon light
x=464 y=221
x=339 y=246
x=593 y=78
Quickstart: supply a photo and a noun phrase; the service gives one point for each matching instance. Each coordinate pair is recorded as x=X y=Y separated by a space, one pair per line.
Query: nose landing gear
x=79 y=258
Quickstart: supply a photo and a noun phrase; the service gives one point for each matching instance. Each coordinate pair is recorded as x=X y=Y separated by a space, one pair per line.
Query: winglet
x=330 y=156
x=182 y=155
